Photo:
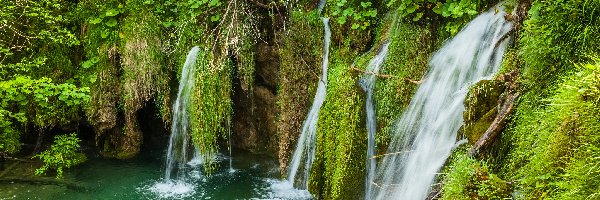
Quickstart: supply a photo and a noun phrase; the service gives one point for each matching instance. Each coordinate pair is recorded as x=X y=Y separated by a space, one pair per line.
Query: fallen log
x=497 y=125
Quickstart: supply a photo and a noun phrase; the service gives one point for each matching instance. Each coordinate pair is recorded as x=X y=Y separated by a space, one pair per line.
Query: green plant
x=339 y=164
x=212 y=107
x=467 y=178
x=556 y=35
x=9 y=135
x=360 y=14
x=62 y=155
x=551 y=148
x=459 y=12
x=108 y=20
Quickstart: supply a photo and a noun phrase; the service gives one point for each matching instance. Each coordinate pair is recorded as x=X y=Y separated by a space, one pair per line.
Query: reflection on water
x=136 y=179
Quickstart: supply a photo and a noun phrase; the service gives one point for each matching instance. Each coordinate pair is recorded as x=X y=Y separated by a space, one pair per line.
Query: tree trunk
x=39 y=141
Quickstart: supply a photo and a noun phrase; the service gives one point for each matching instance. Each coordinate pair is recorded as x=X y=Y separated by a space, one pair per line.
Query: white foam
x=283 y=189
x=169 y=189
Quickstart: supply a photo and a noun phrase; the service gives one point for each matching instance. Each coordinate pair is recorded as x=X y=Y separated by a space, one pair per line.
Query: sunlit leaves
x=456 y=9
x=360 y=14
x=111 y=22
x=62 y=154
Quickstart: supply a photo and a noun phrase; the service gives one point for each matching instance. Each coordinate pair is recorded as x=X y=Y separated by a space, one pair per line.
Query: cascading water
x=368 y=84
x=305 y=149
x=425 y=134
x=175 y=185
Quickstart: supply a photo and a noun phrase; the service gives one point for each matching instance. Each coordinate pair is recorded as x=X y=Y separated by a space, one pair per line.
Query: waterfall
x=368 y=84
x=305 y=149
x=176 y=171
x=426 y=132
x=177 y=151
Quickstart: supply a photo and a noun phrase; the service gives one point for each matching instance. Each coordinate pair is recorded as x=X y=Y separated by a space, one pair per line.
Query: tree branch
x=372 y=73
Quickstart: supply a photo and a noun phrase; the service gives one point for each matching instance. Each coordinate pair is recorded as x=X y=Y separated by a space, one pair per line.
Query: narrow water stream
x=367 y=83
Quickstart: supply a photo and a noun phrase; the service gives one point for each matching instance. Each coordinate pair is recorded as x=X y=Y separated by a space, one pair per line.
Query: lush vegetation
x=339 y=162
x=549 y=150
x=62 y=155
x=98 y=64
x=471 y=179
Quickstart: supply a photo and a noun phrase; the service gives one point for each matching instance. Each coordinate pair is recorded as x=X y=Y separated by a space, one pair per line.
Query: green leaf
x=365 y=4
x=355 y=26
x=96 y=21
x=215 y=18
x=411 y=8
x=86 y=64
x=418 y=16
x=341 y=20
x=348 y=12
x=111 y=22
x=214 y=3
x=438 y=8
x=93 y=78
x=104 y=34
x=111 y=13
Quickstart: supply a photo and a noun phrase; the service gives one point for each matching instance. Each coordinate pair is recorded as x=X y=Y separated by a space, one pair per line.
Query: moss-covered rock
x=467 y=178
x=127 y=70
x=409 y=51
x=339 y=164
x=481 y=108
x=300 y=63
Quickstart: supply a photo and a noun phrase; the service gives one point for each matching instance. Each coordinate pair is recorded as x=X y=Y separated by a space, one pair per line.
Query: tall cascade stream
x=425 y=134
x=175 y=183
x=296 y=184
x=368 y=84
x=305 y=149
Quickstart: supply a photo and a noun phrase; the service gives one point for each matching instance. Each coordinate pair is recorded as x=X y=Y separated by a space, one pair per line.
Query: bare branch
x=372 y=73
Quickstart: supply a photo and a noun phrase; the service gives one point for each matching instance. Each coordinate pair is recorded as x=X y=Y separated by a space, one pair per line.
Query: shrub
x=62 y=154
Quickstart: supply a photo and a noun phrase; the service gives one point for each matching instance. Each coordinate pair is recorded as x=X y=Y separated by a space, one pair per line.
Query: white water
x=368 y=84
x=305 y=149
x=176 y=185
x=424 y=136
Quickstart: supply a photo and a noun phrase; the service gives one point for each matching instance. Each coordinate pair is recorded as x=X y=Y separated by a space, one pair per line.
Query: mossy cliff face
x=409 y=51
x=469 y=178
x=339 y=164
x=256 y=81
x=128 y=71
x=298 y=75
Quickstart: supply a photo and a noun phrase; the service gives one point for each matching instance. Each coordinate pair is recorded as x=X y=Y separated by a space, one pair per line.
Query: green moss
x=145 y=72
x=339 y=165
x=211 y=105
x=547 y=146
x=409 y=52
x=301 y=58
x=467 y=178
x=557 y=34
x=481 y=108
x=245 y=64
